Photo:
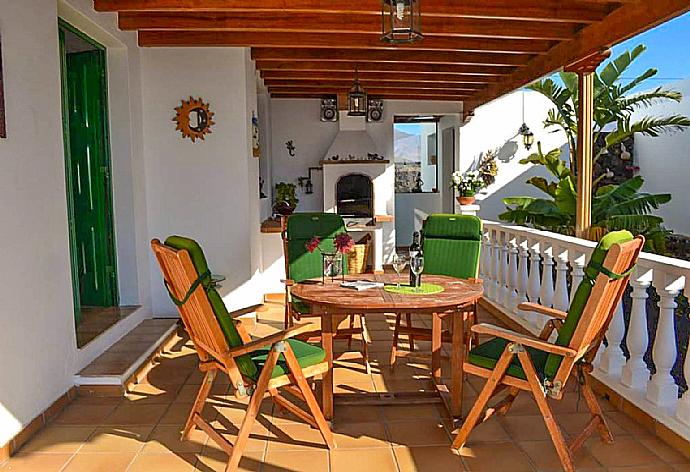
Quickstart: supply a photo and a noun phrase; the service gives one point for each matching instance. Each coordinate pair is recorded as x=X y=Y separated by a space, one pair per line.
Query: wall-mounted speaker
x=375 y=110
x=329 y=109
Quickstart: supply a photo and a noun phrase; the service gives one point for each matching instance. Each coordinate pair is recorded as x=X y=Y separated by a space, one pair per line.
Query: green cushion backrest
x=301 y=227
x=581 y=297
x=227 y=324
x=452 y=245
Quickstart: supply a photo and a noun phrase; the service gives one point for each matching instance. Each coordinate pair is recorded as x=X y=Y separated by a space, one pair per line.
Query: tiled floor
x=97 y=319
x=141 y=432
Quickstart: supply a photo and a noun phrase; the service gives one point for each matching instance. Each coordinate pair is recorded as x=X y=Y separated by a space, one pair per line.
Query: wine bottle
x=415 y=251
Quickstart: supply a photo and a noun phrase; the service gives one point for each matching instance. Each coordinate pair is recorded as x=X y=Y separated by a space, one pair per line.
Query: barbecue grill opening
x=354 y=194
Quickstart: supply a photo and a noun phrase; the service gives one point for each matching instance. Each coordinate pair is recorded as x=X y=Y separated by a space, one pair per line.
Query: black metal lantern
x=402 y=21
x=527 y=136
x=357 y=99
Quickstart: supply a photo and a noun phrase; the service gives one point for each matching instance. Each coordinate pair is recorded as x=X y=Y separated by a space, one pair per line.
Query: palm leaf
x=648 y=74
x=615 y=68
x=649 y=126
x=647 y=99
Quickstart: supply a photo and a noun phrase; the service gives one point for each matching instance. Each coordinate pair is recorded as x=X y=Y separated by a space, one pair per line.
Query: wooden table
x=333 y=303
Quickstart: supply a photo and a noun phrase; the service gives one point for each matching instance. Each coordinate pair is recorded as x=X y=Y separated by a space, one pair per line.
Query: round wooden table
x=333 y=303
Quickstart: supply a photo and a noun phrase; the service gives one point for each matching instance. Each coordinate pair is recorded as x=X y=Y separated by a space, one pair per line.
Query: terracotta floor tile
x=525 y=428
x=354 y=387
x=360 y=435
x=214 y=460
x=295 y=436
x=489 y=431
x=403 y=385
x=423 y=432
x=366 y=460
x=153 y=394
x=258 y=437
x=624 y=452
x=358 y=414
x=658 y=467
x=573 y=423
x=543 y=455
x=77 y=414
x=117 y=439
x=628 y=425
x=165 y=439
x=504 y=457
x=297 y=461
x=408 y=412
x=164 y=463
x=429 y=458
x=663 y=450
x=134 y=414
x=34 y=462
x=115 y=462
x=58 y=438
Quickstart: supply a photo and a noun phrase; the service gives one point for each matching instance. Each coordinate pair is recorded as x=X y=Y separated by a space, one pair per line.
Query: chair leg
x=252 y=411
x=198 y=406
x=396 y=334
x=365 y=342
x=308 y=395
x=408 y=322
x=484 y=397
x=562 y=448
x=595 y=409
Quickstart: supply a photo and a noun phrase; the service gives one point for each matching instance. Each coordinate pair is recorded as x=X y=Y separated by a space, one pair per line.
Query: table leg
x=327 y=382
x=456 y=363
x=436 y=330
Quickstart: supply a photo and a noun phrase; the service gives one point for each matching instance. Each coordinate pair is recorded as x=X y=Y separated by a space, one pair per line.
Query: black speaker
x=375 y=110
x=329 y=109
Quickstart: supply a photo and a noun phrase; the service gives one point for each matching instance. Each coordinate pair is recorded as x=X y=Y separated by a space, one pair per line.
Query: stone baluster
x=485 y=262
x=546 y=290
x=523 y=276
x=662 y=389
x=534 y=279
x=561 y=301
x=683 y=410
x=635 y=372
x=513 y=274
x=578 y=262
x=496 y=252
x=505 y=273
x=612 y=358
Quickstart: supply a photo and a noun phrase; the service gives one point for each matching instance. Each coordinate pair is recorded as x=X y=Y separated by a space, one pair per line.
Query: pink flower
x=313 y=244
x=344 y=243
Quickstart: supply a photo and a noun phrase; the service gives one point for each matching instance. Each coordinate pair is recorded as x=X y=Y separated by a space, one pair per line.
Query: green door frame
x=113 y=295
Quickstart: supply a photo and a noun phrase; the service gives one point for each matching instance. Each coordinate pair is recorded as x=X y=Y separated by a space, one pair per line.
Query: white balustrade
x=520 y=266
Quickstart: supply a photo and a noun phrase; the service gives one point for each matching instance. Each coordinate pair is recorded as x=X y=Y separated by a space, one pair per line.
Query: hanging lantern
x=402 y=21
x=527 y=136
x=357 y=99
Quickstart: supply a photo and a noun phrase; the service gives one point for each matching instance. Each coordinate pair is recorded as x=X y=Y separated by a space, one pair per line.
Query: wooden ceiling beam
x=390 y=96
x=378 y=84
x=395 y=56
x=201 y=38
x=532 y=10
x=344 y=23
x=624 y=23
x=382 y=76
x=409 y=67
x=372 y=92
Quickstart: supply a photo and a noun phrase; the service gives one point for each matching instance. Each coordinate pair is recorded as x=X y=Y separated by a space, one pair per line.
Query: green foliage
x=286 y=192
x=614 y=207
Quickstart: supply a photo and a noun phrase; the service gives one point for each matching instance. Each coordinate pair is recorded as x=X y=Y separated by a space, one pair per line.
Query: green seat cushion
x=306 y=354
x=300 y=306
x=577 y=306
x=452 y=245
x=487 y=354
x=301 y=227
x=227 y=324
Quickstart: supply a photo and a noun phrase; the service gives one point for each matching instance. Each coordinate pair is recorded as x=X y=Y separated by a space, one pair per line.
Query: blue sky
x=668 y=50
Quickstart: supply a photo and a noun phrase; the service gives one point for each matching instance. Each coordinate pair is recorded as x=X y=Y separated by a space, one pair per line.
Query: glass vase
x=332 y=265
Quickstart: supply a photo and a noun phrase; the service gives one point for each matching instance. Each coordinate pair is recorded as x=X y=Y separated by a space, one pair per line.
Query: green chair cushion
x=301 y=227
x=487 y=354
x=227 y=324
x=306 y=354
x=577 y=306
x=452 y=245
x=300 y=306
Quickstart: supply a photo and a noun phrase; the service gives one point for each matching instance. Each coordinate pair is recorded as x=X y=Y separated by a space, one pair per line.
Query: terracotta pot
x=466 y=200
x=283 y=208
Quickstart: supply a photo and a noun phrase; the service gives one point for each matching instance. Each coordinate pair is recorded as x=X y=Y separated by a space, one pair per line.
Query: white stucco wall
x=207 y=190
x=665 y=162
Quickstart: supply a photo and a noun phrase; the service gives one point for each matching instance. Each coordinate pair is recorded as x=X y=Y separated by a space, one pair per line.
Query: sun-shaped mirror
x=194 y=119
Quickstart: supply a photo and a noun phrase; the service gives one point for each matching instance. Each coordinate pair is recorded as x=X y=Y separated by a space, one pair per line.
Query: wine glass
x=417 y=266
x=399 y=263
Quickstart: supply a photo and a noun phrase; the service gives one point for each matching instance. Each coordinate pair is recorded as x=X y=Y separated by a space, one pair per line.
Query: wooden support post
x=585 y=118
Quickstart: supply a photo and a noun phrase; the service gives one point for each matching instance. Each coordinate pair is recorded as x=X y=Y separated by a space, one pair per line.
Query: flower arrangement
x=343 y=243
x=467 y=184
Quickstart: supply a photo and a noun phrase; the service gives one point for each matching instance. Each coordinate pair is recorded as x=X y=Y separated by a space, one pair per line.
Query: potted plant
x=286 y=199
x=467 y=185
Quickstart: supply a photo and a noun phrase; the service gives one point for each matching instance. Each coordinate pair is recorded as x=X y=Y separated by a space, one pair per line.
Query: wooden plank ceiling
x=473 y=50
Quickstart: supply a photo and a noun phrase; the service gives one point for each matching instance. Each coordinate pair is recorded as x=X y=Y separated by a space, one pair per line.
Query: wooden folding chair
x=451 y=247
x=521 y=362
x=255 y=367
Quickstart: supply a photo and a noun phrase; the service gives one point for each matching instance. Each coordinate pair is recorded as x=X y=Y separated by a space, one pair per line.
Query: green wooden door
x=89 y=178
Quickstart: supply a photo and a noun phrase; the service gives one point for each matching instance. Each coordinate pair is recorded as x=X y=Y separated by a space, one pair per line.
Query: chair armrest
x=530 y=341
x=271 y=339
x=244 y=311
x=537 y=308
x=288 y=282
